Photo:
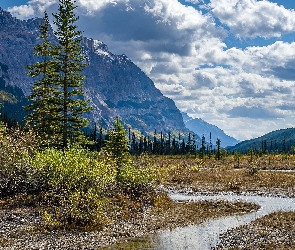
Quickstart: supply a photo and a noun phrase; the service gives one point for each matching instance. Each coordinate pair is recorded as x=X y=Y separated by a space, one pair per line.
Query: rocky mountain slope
x=201 y=127
x=114 y=85
x=12 y=99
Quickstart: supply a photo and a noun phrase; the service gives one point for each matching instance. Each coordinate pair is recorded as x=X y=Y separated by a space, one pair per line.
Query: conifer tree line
x=273 y=147
x=158 y=144
x=4 y=118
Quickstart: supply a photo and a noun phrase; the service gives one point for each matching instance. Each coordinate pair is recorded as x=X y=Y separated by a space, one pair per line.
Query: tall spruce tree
x=44 y=111
x=57 y=95
x=70 y=62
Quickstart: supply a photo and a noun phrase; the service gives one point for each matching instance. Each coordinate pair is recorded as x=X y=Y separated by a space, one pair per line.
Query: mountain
x=114 y=85
x=200 y=127
x=279 y=140
x=12 y=99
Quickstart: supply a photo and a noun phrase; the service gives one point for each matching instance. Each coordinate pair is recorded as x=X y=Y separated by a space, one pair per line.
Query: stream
x=206 y=235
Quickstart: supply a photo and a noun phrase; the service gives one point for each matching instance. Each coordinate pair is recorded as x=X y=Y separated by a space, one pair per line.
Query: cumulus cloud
x=253 y=18
x=22 y=11
x=254 y=113
x=34 y=8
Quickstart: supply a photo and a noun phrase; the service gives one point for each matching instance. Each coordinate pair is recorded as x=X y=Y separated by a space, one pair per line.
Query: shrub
x=16 y=147
x=76 y=180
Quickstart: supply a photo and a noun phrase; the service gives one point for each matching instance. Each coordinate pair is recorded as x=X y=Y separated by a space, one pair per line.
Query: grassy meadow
x=78 y=189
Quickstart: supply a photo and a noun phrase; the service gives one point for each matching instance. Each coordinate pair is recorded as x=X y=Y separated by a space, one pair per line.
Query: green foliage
x=74 y=185
x=117 y=145
x=135 y=178
x=70 y=62
x=44 y=108
x=76 y=181
x=74 y=169
x=274 y=142
x=16 y=146
x=57 y=106
x=218 y=149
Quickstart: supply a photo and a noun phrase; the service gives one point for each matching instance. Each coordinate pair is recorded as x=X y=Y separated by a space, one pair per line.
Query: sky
x=229 y=62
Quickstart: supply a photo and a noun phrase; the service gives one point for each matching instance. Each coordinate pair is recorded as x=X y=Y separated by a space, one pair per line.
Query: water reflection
x=206 y=235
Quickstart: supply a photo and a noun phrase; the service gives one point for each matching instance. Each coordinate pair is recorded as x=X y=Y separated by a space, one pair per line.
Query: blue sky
x=229 y=62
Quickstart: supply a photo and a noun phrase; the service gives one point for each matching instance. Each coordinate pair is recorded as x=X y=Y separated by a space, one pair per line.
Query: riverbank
x=273 y=231
x=229 y=179
x=24 y=228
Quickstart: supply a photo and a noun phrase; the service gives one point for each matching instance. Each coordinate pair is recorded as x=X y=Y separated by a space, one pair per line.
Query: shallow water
x=206 y=235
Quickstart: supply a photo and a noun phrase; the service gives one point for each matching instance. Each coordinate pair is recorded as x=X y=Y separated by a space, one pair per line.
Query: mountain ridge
x=114 y=85
x=203 y=128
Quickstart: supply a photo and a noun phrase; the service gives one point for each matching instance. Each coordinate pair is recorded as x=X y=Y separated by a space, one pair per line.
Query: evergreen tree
x=155 y=144
x=183 y=147
x=218 y=148
x=193 y=150
x=188 y=144
x=117 y=144
x=174 y=149
x=58 y=106
x=100 y=139
x=133 y=147
x=140 y=146
x=210 y=146
x=161 y=144
x=44 y=113
x=203 y=147
x=145 y=145
x=70 y=62
x=150 y=145
x=168 y=144
x=94 y=135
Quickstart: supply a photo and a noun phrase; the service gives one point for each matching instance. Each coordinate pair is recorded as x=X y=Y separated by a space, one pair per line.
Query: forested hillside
x=282 y=140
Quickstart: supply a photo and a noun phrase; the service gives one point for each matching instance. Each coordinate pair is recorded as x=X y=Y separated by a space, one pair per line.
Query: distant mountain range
x=203 y=128
x=276 y=141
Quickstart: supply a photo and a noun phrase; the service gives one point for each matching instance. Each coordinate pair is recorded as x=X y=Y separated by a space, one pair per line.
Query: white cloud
x=22 y=11
x=252 y=18
x=34 y=8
